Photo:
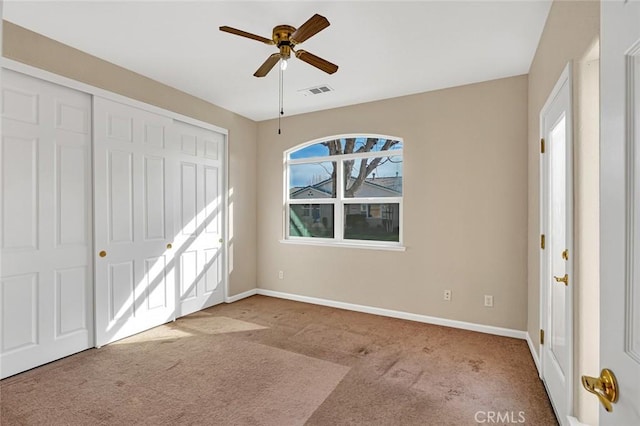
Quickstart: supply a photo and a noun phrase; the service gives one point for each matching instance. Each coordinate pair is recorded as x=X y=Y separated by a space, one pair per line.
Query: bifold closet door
x=46 y=288
x=199 y=218
x=134 y=235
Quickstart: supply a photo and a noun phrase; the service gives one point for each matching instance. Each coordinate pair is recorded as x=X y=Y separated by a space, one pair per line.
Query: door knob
x=102 y=253
x=220 y=240
x=604 y=387
x=169 y=246
x=564 y=279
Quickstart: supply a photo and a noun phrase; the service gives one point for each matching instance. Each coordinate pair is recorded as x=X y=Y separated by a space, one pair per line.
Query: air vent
x=317 y=90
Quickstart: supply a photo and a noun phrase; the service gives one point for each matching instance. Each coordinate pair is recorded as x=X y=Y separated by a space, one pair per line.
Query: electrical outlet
x=281 y=275
x=488 y=301
x=447 y=295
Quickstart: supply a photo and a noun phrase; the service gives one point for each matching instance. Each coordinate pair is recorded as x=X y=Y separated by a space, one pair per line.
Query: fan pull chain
x=281 y=98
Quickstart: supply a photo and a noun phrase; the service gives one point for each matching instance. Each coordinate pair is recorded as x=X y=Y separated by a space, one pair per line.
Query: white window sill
x=344 y=244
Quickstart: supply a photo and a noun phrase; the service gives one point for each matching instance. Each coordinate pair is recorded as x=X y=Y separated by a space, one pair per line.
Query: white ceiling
x=384 y=49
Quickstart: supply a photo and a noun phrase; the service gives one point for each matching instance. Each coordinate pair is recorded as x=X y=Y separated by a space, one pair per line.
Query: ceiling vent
x=317 y=90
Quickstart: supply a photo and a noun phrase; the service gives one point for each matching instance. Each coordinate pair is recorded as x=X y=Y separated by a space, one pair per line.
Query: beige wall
x=33 y=49
x=465 y=207
x=570 y=33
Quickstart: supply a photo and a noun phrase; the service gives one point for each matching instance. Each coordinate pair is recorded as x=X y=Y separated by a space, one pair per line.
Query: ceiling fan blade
x=313 y=26
x=316 y=61
x=246 y=34
x=267 y=65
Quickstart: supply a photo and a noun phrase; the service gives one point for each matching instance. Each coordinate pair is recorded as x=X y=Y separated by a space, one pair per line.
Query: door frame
x=565 y=78
x=48 y=76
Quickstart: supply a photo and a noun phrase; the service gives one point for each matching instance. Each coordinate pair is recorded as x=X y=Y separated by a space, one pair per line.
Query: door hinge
x=542 y=146
x=541 y=336
x=542 y=241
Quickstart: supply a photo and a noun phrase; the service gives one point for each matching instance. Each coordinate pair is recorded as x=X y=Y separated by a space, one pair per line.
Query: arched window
x=345 y=189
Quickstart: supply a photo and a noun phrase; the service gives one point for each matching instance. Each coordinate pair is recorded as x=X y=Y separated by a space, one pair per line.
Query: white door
x=46 y=294
x=556 y=223
x=135 y=286
x=620 y=206
x=199 y=209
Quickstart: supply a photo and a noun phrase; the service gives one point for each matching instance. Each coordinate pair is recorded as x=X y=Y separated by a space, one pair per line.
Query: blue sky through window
x=319 y=150
x=315 y=150
x=301 y=175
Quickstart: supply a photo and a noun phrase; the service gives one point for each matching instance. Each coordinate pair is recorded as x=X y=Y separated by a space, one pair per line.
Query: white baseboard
x=241 y=296
x=507 y=332
x=534 y=354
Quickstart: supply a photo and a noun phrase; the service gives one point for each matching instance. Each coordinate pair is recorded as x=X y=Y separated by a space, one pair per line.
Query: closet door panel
x=200 y=236
x=46 y=287
x=119 y=196
x=19 y=191
x=154 y=195
x=135 y=285
x=72 y=195
x=70 y=293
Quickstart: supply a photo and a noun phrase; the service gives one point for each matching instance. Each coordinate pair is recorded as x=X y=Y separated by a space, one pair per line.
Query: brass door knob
x=169 y=246
x=564 y=279
x=102 y=253
x=604 y=387
x=220 y=240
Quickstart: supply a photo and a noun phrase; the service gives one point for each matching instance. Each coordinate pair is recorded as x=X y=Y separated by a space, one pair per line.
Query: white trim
x=575 y=422
x=240 y=296
x=564 y=77
x=345 y=157
x=313 y=201
x=96 y=91
x=372 y=200
x=542 y=261
x=338 y=208
x=339 y=201
x=226 y=185
x=534 y=355
x=633 y=237
x=329 y=242
x=564 y=80
x=481 y=328
x=342 y=136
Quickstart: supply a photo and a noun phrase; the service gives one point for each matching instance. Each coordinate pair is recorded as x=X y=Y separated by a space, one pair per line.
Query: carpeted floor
x=266 y=361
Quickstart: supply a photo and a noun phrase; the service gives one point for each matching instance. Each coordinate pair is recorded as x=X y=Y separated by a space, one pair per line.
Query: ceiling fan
x=285 y=37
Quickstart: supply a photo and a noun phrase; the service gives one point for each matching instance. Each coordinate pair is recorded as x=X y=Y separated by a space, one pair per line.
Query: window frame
x=340 y=200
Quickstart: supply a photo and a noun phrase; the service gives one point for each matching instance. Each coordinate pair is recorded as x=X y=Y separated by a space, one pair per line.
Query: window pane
x=373 y=177
x=378 y=222
x=346 y=146
x=314 y=180
x=311 y=220
x=315 y=150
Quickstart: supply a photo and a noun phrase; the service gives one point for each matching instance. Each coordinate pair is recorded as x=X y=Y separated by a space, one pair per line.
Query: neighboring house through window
x=345 y=189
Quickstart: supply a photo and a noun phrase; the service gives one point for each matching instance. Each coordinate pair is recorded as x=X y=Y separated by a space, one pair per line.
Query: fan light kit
x=285 y=37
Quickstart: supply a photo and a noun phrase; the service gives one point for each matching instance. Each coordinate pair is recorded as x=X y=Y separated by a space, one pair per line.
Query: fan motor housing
x=281 y=35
